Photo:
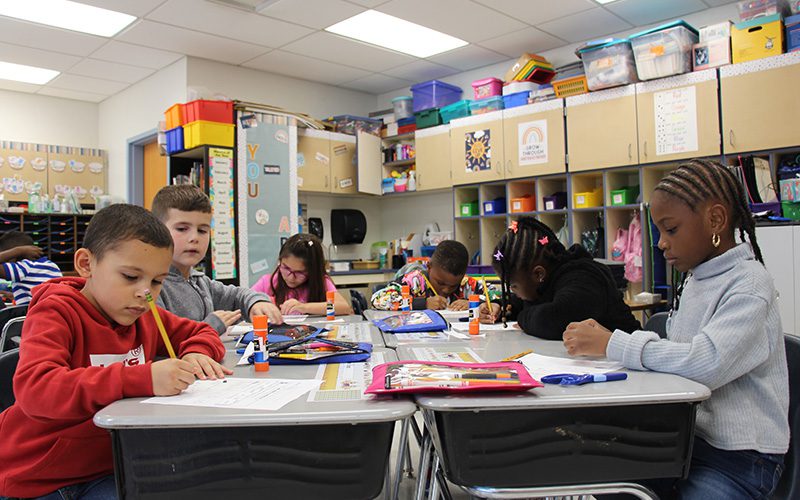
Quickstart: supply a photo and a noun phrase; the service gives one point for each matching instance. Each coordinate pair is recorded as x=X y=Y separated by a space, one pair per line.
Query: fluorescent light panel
x=68 y=15
x=27 y=74
x=604 y=1
x=397 y=34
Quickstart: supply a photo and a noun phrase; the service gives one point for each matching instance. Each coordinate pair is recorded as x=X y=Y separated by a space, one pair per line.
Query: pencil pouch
x=426 y=320
x=282 y=333
x=312 y=349
x=437 y=376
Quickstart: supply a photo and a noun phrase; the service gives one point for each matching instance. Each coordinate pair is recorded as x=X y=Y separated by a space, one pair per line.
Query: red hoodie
x=74 y=362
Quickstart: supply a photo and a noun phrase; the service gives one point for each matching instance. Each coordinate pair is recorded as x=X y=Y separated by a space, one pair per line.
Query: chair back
x=11 y=333
x=658 y=323
x=789 y=485
x=8 y=365
x=359 y=302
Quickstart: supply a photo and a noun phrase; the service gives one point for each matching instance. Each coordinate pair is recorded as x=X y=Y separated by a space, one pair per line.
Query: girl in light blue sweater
x=724 y=332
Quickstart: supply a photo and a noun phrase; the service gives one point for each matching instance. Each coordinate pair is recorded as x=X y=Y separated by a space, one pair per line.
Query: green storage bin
x=791 y=210
x=469 y=209
x=624 y=196
x=428 y=118
x=458 y=109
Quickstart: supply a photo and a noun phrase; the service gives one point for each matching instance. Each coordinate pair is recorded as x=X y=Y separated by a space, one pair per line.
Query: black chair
x=11 y=333
x=8 y=365
x=358 y=301
x=12 y=312
x=789 y=485
x=658 y=323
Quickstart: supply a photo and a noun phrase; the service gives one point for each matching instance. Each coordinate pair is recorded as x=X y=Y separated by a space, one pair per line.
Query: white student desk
x=305 y=450
x=557 y=440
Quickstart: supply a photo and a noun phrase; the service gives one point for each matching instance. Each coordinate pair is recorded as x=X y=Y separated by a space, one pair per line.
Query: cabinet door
x=476 y=148
x=534 y=140
x=343 y=166
x=678 y=117
x=313 y=161
x=779 y=258
x=433 y=158
x=760 y=106
x=601 y=129
x=369 y=164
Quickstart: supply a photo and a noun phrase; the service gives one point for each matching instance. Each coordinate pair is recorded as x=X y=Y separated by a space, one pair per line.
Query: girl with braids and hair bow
x=556 y=285
x=724 y=331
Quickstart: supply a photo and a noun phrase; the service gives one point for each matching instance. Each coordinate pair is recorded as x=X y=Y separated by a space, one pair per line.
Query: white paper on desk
x=245 y=393
x=294 y=319
x=453 y=315
x=421 y=336
x=495 y=327
x=239 y=329
x=539 y=366
x=449 y=355
x=345 y=381
x=464 y=336
x=325 y=321
x=248 y=351
x=351 y=332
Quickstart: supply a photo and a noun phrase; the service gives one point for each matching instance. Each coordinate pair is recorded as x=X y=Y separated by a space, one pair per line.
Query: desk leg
x=423 y=471
x=402 y=453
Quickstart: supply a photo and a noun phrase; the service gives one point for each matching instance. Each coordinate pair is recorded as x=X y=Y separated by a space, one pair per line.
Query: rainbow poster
x=532 y=138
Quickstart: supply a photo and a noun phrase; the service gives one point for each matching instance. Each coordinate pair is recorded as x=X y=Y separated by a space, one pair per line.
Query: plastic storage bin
x=487 y=87
x=761 y=37
x=753 y=9
x=792 y=33
x=495 y=206
x=351 y=125
x=486 y=105
x=609 y=64
x=200 y=133
x=524 y=203
x=434 y=94
x=174 y=140
x=664 y=51
x=556 y=201
x=517 y=99
x=175 y=116
x=209 y=111
x=514 y=87
x=458 y=109
x=587 y=199
x=387 y=185
x=428 y=118
x=480 y=270
x=624 y=196
x=469 y=209
x=403 y=107
x=711 y=54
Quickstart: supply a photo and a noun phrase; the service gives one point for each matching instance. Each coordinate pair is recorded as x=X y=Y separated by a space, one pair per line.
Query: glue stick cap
x=260 y=322
x=405 y=289
x=474 y=298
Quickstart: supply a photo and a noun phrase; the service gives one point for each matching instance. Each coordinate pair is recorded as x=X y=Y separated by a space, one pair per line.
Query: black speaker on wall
x=347 y=226
x=315 y=227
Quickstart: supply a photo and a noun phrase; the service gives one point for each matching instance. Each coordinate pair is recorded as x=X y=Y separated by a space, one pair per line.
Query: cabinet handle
x=419 y=181
x=730 y=136
x=645 y=149
x=326 y=181
x=499 y=168
x=630 y=151
x=508 y=167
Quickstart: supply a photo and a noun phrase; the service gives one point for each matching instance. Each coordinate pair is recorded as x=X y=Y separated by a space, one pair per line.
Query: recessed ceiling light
x=68 y=15
x=27 y=74
x=397 y=34
x=604 y=1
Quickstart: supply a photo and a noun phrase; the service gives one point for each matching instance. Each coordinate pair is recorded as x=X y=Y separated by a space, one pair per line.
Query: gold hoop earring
x=715 y=239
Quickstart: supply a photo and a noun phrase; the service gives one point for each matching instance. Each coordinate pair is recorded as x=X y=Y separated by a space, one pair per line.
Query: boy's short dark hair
x=185 y=197
x=121 y=222
x=452 y=256
x=13 y=239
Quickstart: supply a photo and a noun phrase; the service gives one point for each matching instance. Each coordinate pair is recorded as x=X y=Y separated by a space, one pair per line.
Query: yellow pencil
x=486 y=291
x=429 y=284
x=161 y=328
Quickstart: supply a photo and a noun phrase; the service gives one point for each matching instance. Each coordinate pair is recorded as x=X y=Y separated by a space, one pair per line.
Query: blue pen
x=580 y=379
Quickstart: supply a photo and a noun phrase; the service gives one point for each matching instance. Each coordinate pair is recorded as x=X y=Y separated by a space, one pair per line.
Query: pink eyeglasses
x=287 y=272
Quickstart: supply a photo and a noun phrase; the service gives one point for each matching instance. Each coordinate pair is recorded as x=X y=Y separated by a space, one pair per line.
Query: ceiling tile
x=641 y=12
x=466 y=20
x=43 y=37
x=36 y=57
x=314 y=13
x=525 y=40
x=538 y=11
x=72 y=94
x=285 y=63
x=110 y=71
x=369 y=3
x=19 y=86
x=138 y=8
x=193 y=43
x=469 y=57
x=337 y=49
x=136 y=55
x=585 y=25
x=378 y=84
x=86 y=84
x=420 y=71
x=228 y=22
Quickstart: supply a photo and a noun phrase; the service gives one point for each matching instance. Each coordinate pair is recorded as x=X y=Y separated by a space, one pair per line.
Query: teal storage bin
x=428 y=118
x=486 y=105
x=458 y=109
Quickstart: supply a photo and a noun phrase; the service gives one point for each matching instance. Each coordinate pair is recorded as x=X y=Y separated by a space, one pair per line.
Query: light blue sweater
x=727 y=335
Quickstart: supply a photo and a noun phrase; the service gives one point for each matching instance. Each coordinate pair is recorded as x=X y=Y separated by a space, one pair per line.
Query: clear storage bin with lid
x=403 y=107
x=434 y=94
x=608 y=64
x=664 y=51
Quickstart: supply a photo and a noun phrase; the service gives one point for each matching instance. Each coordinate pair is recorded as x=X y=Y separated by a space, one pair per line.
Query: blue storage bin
x=406 y=121
x=427 y=250
x=495 y=206
x=792 y=33
x=516 y=99
x=175 y=140
x=434 y=94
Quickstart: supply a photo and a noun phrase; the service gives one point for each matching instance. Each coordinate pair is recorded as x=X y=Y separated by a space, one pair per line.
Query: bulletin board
x=23 y=169
x=82 y=170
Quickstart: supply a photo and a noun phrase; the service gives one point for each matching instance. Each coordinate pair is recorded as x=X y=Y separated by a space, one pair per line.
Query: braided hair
x=700 y=180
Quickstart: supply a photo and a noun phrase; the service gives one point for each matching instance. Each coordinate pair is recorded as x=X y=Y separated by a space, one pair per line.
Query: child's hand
x=292 y=306
x=586 y=338
x=31 y=252
x=487 y=316
x=171 y=376
x=436 y=303
x=269 y=310
x=230 y=318
x=459 y=305
x=205 y=367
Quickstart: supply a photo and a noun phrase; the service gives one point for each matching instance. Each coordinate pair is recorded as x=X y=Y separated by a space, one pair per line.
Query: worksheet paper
x=242 y=393
x=453 y=315
x=345 y=381
x=449 y=355
x=294 y=319
x=408 y=337
x=350 y=332
x=539 y=366
x=463 y=327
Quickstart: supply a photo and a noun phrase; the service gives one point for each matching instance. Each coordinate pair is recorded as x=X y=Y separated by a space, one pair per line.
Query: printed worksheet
x=345 y=381
x=539 y=365
x=294 y=319
x=350 y=332
x=463 y=327
x=455 y=354
x=406 y=338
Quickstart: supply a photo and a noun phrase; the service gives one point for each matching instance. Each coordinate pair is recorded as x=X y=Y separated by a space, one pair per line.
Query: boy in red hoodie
x=88 y=342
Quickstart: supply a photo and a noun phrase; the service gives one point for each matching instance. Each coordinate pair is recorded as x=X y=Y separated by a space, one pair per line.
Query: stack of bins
x=174 y=117
x=208 y=123
x=429 y=97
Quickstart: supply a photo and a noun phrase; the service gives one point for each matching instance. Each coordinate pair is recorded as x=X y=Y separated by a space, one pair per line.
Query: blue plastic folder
x=426 y=320
x=312 y=349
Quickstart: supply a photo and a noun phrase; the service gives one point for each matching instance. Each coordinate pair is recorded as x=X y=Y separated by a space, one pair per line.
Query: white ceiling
x=288 y=38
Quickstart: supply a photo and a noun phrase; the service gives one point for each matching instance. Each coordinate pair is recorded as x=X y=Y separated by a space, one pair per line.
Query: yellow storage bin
x=199 y=133
x=760 y=37
x=588 y=199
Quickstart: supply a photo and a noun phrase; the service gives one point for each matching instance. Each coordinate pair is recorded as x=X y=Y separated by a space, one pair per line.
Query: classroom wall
x=48 y=120
x=401 y=215
x=135 y=111
x=320 y=205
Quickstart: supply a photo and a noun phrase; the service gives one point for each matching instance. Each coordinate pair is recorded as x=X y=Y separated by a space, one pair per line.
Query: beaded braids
x=700 y=180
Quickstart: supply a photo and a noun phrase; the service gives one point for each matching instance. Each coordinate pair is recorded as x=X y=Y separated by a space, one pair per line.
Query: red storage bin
x=210 y=111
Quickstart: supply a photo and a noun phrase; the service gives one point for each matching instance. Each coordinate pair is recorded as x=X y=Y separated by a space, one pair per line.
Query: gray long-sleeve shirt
x=727 y=335
x=198 y=297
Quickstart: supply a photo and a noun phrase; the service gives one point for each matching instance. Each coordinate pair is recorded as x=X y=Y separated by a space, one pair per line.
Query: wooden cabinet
x=534 y=139
x=313 y=161
x=678 y=117
x=476 y=148
x=343 y=166
x=328 y=163
x=433 y=158
x=760 y=106
x=601 y=129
